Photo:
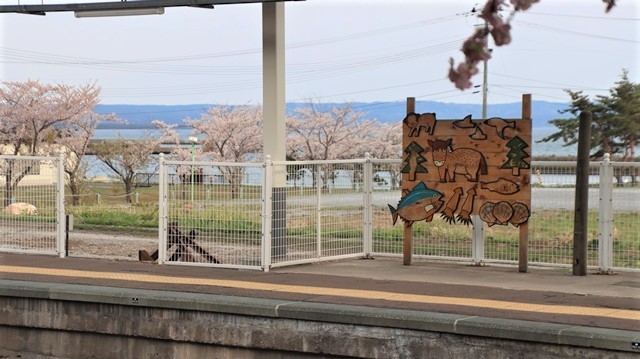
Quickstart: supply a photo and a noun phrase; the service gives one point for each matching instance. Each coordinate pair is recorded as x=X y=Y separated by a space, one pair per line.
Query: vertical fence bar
x=605 y=220
x=267 y=211
x=319 y=185
x=162 y=211
x=60 y=210
x=368 y=206
x=477 y=240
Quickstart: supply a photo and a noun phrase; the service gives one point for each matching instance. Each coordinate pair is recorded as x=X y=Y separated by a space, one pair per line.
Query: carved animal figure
x=416 y=122
x=21 y=208
x=464 y=161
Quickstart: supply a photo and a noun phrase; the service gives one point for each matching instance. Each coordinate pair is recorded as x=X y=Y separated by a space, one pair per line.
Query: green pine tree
x=615 y=123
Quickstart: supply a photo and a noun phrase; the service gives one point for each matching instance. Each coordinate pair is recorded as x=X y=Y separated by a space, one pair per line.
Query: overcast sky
x=337 y=50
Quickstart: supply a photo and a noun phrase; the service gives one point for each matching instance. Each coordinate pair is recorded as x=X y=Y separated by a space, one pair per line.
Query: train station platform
x=602 y=311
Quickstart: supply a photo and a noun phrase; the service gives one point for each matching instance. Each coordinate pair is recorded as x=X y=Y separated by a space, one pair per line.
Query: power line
x=608 y=18
x=556 y=29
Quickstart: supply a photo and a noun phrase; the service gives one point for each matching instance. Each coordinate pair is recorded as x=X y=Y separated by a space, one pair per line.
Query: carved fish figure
x=419 y=204
x=502 y=186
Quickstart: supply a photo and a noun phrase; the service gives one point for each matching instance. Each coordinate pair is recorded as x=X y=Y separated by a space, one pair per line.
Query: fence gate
x=261 y=215
x=32 y=192
x=211 y=214
x=320 y=209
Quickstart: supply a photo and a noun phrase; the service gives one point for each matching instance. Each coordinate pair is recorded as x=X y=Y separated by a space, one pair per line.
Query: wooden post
x=407 y=244
x=523 y=243
x=580 y=225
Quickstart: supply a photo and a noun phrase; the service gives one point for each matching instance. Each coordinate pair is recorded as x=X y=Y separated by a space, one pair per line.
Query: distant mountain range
x=140 y=116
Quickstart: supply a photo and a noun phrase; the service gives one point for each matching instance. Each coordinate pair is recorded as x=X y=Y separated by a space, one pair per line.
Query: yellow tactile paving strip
x=326 y=291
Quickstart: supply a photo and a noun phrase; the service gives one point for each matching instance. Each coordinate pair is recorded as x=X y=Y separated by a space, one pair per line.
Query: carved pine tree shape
x=413 y=161
x=516 y=156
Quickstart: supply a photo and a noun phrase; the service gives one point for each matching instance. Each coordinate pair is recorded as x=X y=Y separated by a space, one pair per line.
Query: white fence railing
x=32 y=217
x=270 y=214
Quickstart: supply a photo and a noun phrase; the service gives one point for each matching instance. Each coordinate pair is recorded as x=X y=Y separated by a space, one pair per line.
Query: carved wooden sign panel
x=458 y=168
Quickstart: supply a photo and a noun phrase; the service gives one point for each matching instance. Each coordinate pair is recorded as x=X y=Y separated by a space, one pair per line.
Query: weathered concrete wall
x=67 y=321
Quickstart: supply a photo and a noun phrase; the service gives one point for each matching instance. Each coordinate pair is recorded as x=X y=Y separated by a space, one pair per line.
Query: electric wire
x=557 y=29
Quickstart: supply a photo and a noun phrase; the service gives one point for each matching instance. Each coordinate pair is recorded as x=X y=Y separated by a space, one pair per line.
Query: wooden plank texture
x=449 y=156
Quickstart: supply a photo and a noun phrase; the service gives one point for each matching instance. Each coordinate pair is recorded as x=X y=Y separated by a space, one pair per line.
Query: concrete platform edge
x=549 y=333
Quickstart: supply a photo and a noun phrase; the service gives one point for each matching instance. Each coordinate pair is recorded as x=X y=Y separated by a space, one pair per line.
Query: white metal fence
x=264 y=215
x=32 y=193
x=261 y=215
x=212 y=213
x=272 y=214
x=614 y=223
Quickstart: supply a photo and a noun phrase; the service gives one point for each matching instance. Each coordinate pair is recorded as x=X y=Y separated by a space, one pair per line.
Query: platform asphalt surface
x=542 y=295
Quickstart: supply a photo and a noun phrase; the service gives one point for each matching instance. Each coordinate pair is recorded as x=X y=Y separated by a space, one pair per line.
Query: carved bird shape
x=500 y=125
x=464 y=123
x=478 y=134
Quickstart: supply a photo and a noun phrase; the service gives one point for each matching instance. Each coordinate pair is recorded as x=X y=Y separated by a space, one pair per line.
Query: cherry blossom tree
x=384 y=140
x=125 y=158
x=337 y=133
x=75 y=138
x=32 y=114
x=230 y=134
x=499 y=29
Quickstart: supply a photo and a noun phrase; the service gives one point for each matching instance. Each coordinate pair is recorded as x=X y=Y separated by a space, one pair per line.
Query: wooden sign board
x=467 y=167
x=458 y=168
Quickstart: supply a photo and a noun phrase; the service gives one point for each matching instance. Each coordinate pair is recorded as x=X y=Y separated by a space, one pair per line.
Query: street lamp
x=192 y=140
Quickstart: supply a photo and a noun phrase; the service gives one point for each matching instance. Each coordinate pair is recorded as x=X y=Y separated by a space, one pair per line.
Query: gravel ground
x=120 y=246
x=125 y=246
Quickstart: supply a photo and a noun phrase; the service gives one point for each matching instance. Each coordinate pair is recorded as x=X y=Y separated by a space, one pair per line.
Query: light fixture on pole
x=119 y=12
x=193 y=140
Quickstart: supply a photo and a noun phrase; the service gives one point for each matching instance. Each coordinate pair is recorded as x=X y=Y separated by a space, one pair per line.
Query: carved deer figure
x=416 y=122
x=463 y=161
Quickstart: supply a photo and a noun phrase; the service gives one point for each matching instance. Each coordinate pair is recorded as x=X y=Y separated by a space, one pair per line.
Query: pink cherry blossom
x=461 y=76
x=500 y=30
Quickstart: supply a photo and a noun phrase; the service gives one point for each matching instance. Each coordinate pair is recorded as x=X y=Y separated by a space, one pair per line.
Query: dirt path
x=119 y=246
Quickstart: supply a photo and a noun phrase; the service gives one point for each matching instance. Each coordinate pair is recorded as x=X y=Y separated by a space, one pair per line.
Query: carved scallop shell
x=503 y=212
x=486 y=213
x=520 y=214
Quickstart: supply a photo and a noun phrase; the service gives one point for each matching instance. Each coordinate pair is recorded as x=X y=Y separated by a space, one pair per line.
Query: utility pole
x=484 y=73
x=478 y=225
